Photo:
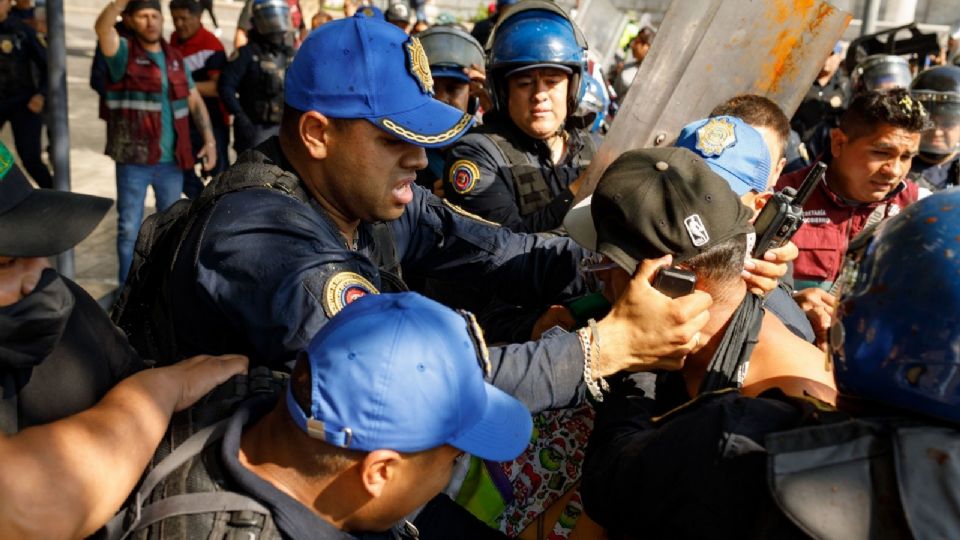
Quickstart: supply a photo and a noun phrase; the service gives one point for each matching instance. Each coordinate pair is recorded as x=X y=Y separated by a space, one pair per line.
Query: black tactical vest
x=16 y=78
x=264 y=104
x=527 y=175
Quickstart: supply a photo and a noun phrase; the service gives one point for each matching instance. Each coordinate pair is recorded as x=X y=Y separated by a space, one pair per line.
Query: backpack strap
x=129 y=519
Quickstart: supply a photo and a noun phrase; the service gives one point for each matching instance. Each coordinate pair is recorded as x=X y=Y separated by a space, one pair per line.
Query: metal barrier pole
x=58 y=119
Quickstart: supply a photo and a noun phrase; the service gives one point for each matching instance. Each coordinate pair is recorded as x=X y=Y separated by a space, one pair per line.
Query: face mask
x=31 y=328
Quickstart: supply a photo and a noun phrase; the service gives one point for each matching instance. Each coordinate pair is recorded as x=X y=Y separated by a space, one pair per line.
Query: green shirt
x=117 y=65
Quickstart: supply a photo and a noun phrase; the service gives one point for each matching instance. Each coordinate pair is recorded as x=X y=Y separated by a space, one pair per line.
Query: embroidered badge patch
x=342 y=289
x=463 y=176
x=715 y=136
x=419 y=65
x=6 y=46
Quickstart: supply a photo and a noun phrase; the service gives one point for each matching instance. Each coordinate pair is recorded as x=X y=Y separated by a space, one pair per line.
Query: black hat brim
x=49 y=222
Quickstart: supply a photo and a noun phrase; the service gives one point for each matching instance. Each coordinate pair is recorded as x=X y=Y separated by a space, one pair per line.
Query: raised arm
x=106 y=34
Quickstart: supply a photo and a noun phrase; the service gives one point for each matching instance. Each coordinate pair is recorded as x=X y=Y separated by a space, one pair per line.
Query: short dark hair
x=193 y=6
x=893 y=107
x=721 y=263
x=758 y=111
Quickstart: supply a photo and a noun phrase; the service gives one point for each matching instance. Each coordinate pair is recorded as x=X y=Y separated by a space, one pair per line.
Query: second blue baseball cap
x=402 y=372
x=732 y=148
x=364 y=67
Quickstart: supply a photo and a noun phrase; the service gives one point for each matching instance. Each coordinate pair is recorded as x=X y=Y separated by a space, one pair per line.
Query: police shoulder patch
x=343 y=288
x=715 y=136
x=464 y=175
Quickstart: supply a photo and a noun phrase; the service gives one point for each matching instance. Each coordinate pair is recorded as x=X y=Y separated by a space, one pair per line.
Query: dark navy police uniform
x=482 y=178
x=261 y=272
x=23 y=74
x=255 y=73
x=935 y=176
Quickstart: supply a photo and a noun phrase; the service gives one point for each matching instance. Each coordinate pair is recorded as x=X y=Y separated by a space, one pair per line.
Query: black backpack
x=143 y=311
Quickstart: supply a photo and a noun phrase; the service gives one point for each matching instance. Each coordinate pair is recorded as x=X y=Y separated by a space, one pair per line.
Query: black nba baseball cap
x=655 y=202
x=42 y=222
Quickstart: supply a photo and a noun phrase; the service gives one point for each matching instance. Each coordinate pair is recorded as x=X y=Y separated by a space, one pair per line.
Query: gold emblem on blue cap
x=419 y=65
x=417 y=138
x=343 y=288
x=715 y=136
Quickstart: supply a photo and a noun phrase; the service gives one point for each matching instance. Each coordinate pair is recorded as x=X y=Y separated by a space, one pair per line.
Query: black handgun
x=783 y=213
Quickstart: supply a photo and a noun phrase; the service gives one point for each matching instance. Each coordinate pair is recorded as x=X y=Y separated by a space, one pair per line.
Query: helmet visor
x=887 y=76
x=944 y=110
x=271 y=17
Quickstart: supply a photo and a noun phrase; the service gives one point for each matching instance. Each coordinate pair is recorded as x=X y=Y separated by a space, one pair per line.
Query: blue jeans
x=132 y=182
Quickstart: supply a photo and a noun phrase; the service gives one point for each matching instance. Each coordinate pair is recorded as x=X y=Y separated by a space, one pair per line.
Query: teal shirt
x=117 y=64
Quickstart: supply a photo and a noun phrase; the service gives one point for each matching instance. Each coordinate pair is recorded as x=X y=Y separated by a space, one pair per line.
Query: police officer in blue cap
x=381 y=406
x=883 y=465
x=520 y=168
x=328 y=211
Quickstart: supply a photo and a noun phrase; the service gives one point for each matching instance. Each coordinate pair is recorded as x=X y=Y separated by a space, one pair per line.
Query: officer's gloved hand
x=647 y=330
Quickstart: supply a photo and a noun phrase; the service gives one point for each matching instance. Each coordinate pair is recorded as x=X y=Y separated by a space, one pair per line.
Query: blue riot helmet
x=535 y=33
x=595 y=101
x=897 y=336
x=938 y=89
x=271 y=16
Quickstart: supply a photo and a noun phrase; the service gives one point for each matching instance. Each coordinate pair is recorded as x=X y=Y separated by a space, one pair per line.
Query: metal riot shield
x=602 y=24
x=707 y=51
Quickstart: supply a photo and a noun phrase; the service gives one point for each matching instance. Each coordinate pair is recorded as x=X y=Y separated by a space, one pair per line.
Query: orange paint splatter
x=783 y=54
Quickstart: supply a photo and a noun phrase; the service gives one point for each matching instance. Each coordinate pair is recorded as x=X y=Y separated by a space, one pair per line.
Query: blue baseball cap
x=732 y=148
x=402 y=372
x=365 y=67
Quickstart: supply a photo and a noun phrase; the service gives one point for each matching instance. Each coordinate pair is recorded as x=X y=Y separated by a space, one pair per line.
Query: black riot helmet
x=881 y=72
x=271 y=16
x=449 y=50
x=398 y=12
x=938 y=89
